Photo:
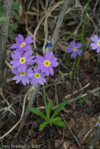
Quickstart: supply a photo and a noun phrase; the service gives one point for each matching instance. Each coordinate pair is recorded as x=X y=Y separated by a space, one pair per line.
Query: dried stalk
x=59 y=22
x=4 y=36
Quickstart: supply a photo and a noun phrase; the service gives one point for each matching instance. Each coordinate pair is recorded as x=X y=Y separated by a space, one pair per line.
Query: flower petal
x=69 y=50
x=51 y=71
x=94 y=46
x=98 y=50
x=27 y=47
x=29 y=39
x=40 y=58
x=79 y=45
x=95 y=38
x=79 y=52
x=73 y=55
x=15 y=46
x=24 y=80
x=48 y=55
x=73 y=44
x=21 y=38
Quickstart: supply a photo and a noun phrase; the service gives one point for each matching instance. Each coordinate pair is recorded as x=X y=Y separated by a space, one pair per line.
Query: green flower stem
x=44 y=98
x=83 y=30
x=77 y=60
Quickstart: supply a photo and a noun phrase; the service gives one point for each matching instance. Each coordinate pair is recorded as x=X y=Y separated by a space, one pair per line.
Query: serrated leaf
x=42 y=125
x=37 y=112
x=48 y=108
x=59 y=123
x=59 y=108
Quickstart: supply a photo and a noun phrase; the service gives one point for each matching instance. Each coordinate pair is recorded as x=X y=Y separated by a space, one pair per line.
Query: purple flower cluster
x=75 y=50
x=23 y=59
x=46 y=63
x=22 y=44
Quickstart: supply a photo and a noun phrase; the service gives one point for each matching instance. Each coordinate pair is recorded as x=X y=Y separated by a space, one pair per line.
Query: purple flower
x=99 y=124
x=56 y=55
x=38 y=77
x=48 y=44
x=96 y=44
x=23 y=76
x=20 y=61
x=22 y=44
x=74 y=49
x=46 y=63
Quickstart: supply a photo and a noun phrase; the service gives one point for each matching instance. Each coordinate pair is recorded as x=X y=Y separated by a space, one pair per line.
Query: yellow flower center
x=74 y=49
x=22 y=60
x=22 y=45
x=99 y=43
x=46 y=63
x=37 y=75
x=22 y=73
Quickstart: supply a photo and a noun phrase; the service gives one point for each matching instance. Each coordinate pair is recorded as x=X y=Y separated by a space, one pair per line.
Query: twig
x=77 y=90
x=27 y=112
x=74 y=99
x=71 y=131
x=95 y=138
x=23 y=109
x=91 y=129
x=46 y=13
x=59 y=22
x=6 y=62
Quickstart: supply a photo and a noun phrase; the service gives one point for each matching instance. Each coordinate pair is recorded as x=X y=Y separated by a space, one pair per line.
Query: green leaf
x=59 y=108
x=42 y=125
x=59 y=123
x=63 y=39
x=75 y=12
x=71 y=76
x=75 y=72
x=37 y=112
x=14 y=12
x=68 y=56
x=3 y=19
x=58 y=118
x=16 y=6
x=98 y=60
x=67 y=63
x=49 y=108
x=82 y=99
x=1 y=10
x=12 y=28
x=68 y=33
